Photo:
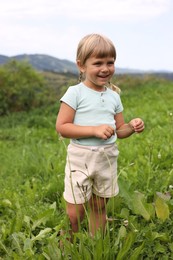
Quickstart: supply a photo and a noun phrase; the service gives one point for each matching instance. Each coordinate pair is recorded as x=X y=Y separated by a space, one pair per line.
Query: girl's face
x=97 y=71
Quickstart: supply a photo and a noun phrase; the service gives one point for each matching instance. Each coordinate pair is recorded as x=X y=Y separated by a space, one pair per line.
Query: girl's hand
x=103 y=131
x=137 y=125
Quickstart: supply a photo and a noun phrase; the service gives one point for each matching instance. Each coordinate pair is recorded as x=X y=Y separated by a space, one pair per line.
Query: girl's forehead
x=102 y=53
x=93 y=56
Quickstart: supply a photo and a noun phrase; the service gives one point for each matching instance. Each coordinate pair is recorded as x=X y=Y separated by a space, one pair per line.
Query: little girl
x=91 y=116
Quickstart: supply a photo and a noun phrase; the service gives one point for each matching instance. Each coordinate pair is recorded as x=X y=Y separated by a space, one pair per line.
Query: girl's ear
x=80 y=67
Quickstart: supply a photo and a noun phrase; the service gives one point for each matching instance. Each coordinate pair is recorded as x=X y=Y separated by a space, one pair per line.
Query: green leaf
x=136 y=201
x=4 y=248
x=160 y=248
x=42 y=234
x=162 y=209
x=53 y=251
x=43 y=218
x=6 y=203
x=125 y=192
x=137 y=252
x=171 y=246
x=124 y=213
x=141 y=207
x=122 y=233
x=28 y=244
x=128 y=242
x=16 y=240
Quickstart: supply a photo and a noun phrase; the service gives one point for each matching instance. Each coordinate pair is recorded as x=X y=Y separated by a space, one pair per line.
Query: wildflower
x=159 y=155
x=126 y=222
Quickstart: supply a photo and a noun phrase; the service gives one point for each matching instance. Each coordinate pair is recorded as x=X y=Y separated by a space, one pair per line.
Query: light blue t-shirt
x=93 y=108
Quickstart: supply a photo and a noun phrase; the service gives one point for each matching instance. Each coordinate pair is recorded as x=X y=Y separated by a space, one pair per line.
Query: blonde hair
x=98 y=46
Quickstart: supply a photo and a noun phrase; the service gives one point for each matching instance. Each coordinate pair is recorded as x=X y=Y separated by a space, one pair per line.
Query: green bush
x=21 y=88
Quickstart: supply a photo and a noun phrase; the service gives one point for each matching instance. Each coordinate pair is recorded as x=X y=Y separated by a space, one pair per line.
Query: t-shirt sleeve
x=70 y=97
x=119 y=107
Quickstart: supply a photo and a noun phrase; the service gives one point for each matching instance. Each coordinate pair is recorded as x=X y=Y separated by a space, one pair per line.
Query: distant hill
x=44 y=62
x=3 y=59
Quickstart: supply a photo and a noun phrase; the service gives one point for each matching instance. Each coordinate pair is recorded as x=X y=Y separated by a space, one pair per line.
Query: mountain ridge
x=44 y=62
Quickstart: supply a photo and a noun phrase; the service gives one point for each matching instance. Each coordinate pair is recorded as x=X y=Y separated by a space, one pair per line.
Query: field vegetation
x=32 y=159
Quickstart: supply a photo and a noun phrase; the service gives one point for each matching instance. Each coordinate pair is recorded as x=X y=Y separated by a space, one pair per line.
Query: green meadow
x=32 y=159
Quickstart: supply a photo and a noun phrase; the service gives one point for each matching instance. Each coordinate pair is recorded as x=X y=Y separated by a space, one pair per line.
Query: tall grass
x=32 y=209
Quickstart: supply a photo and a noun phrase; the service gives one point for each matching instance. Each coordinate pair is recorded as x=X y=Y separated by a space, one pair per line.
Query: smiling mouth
x=103 y=76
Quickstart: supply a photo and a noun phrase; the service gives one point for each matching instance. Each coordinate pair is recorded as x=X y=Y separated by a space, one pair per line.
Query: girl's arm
x=124 y=130
x=66 y=127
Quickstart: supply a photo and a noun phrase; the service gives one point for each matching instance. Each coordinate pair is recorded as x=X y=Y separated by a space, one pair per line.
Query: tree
x=21 y=87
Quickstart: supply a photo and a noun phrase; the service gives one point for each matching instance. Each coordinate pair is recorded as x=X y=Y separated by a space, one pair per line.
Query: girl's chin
x=102 y=83
x=97 y=84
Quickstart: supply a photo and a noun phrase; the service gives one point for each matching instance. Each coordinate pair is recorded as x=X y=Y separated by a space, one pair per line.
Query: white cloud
x=115 y=9
x=86 y=9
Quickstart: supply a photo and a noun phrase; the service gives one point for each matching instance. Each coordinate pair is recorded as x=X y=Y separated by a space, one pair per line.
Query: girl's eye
x=97 y=63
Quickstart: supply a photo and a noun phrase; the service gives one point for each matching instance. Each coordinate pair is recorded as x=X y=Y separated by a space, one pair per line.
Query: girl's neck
x=94 y=87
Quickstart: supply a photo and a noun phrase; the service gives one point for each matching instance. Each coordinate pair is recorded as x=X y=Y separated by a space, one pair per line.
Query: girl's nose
x=104 y=68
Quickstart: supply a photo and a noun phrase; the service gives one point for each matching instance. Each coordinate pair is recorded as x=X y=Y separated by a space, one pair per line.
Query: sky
x=141 y=30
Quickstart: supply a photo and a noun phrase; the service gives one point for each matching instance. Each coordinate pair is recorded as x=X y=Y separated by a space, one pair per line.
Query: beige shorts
x=90 y=170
